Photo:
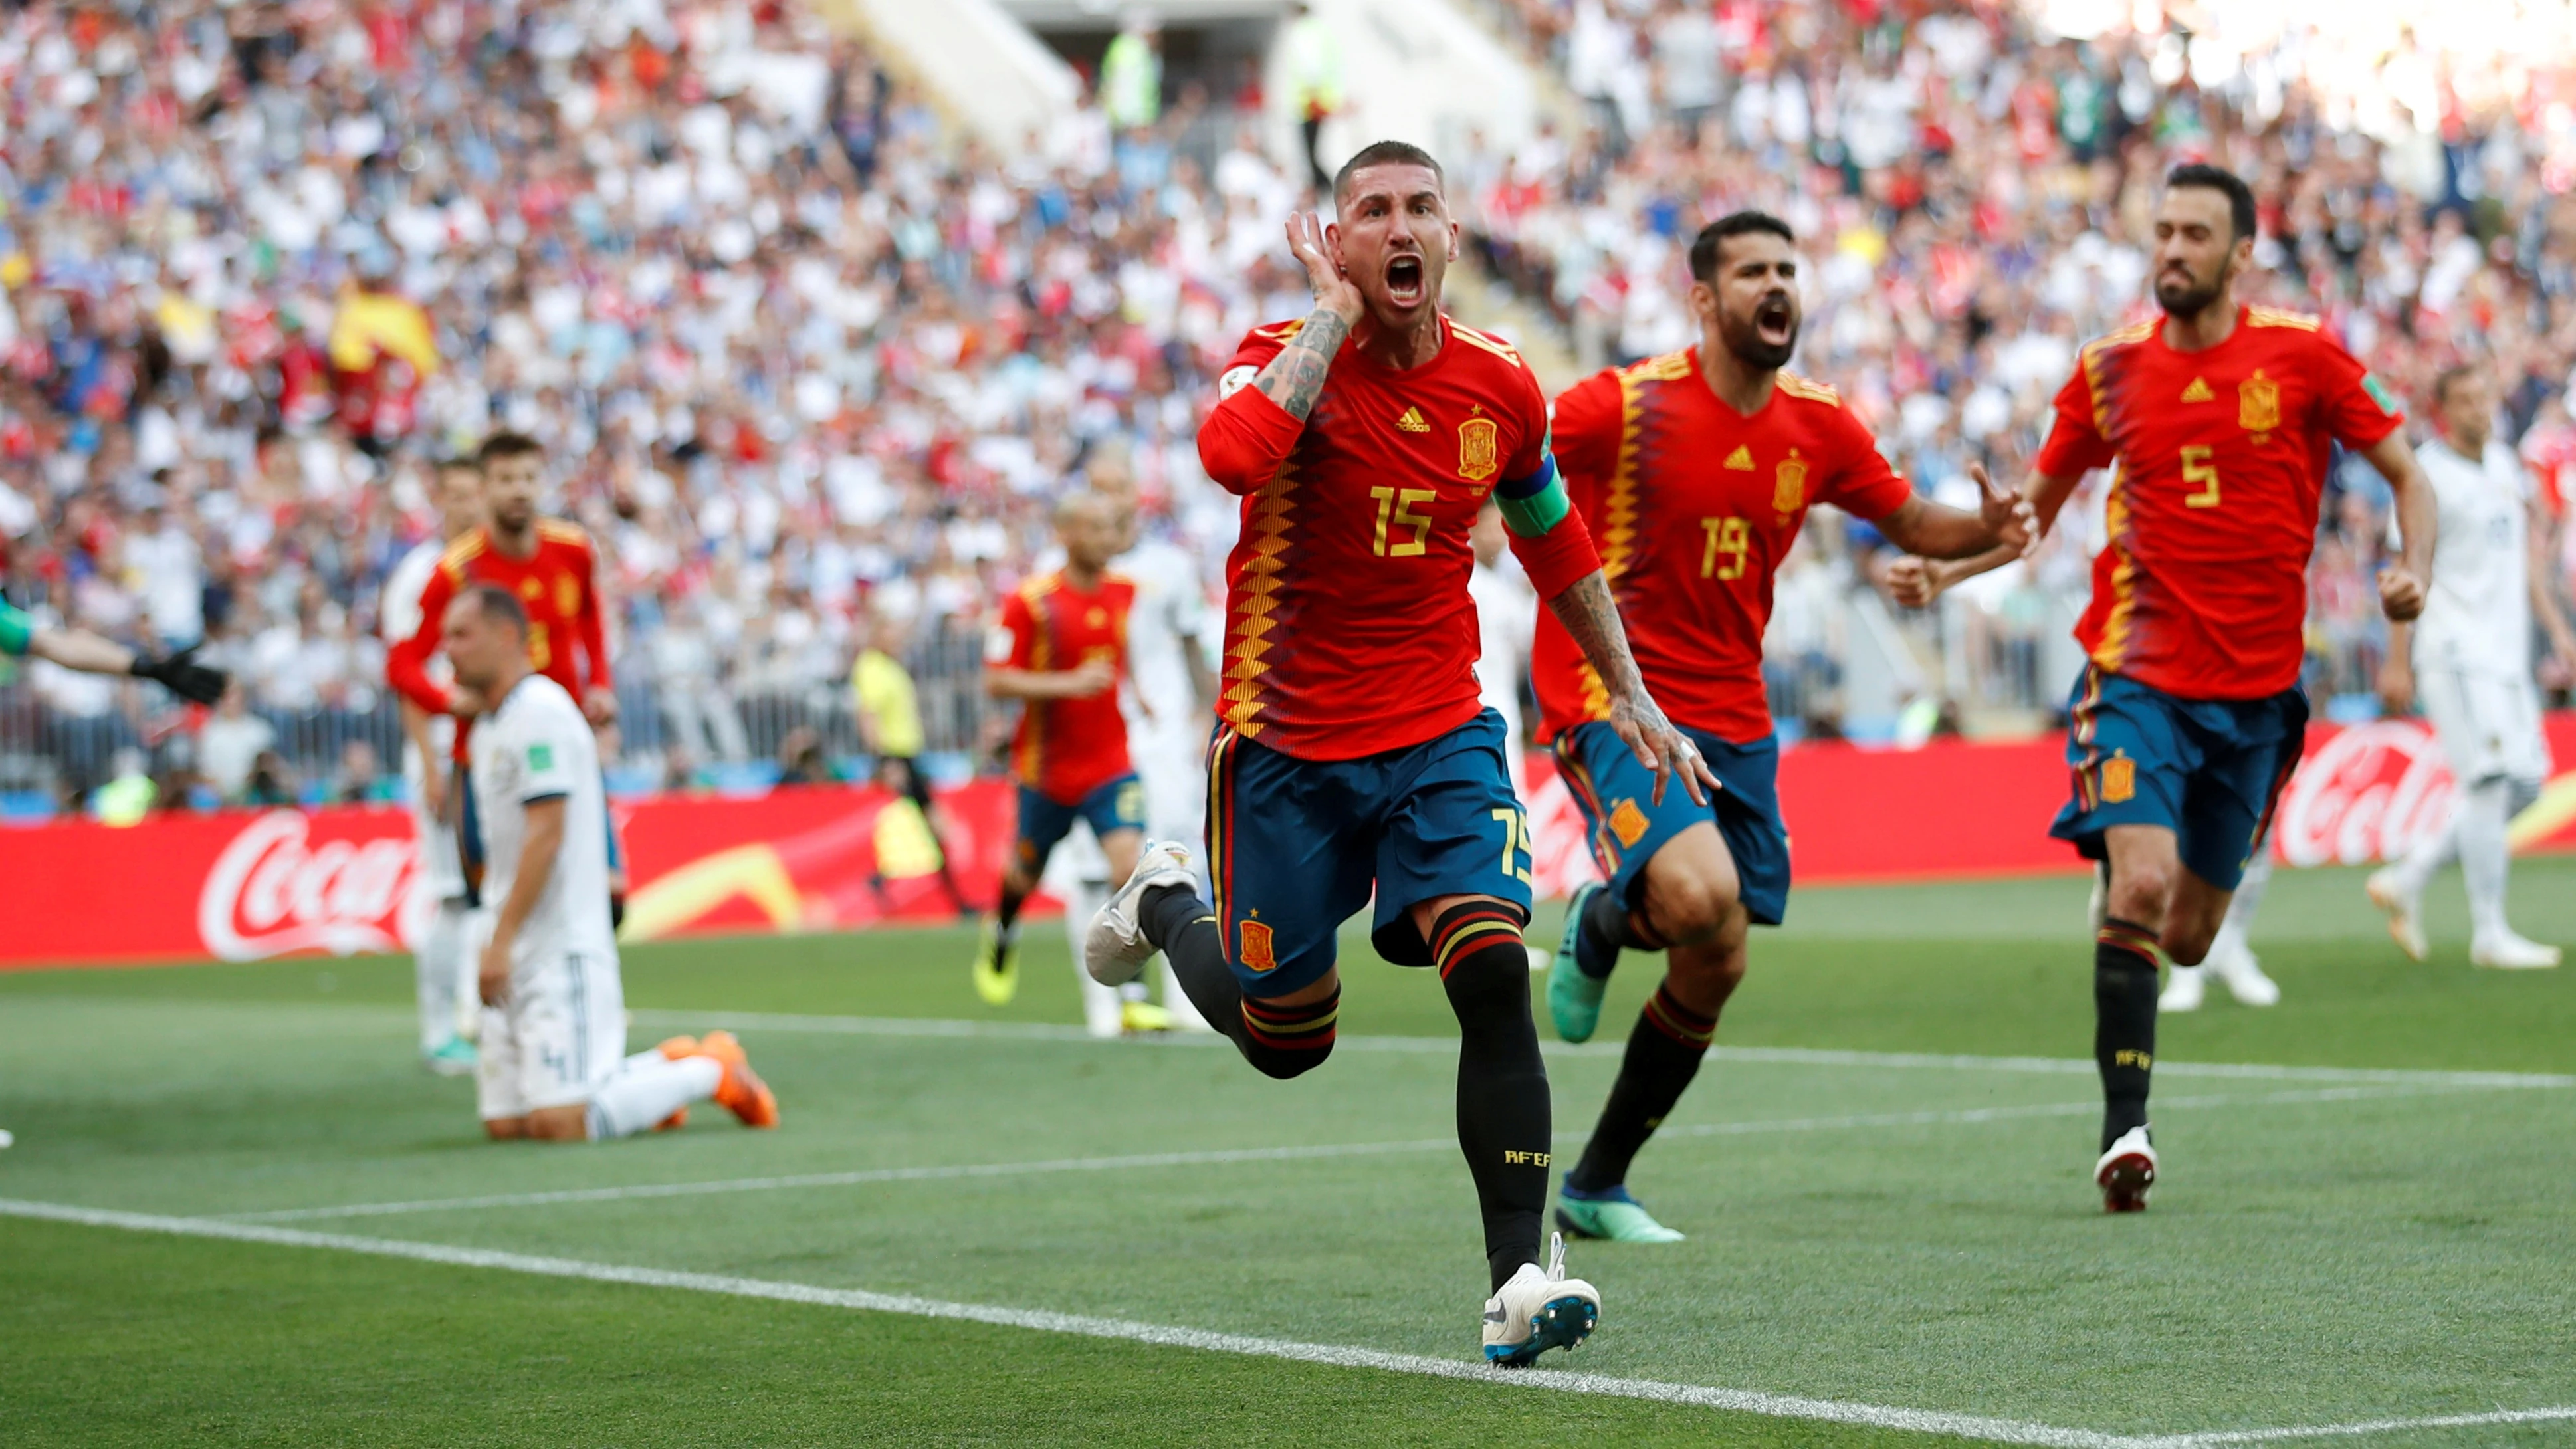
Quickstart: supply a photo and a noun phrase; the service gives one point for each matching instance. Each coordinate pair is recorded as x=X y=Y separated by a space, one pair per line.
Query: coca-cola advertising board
x=248 y=885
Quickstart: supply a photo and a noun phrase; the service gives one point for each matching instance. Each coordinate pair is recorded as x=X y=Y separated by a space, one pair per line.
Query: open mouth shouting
x=1775 y=322
x=1405 y=280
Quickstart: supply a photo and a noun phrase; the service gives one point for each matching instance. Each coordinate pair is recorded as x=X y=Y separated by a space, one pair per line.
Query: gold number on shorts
x=1516 y=843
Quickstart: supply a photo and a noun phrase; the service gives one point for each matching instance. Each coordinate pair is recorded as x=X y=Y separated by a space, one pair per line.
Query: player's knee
x=1693 y=907
x=2141 y=892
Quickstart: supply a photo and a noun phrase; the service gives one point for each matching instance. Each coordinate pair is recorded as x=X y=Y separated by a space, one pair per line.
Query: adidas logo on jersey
x=2198 y=392
x=1412 y=421
x=1741 y=459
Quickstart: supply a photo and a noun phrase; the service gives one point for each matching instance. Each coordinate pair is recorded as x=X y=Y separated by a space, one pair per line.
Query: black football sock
x=2124 y=1030
x=1600 y=934
x=1183 y=928
x=1006 y=913
x=1503 y=1121
x=1664 y=1053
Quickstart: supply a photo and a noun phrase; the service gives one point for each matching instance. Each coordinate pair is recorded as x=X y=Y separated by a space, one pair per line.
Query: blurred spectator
x=230 y=745
x=801 y=760
x=361 y=779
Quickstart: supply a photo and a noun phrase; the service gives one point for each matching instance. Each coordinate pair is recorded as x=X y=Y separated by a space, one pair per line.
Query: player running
x=2189 y=718
x=1352 y=752
x=1061 y=650
x=2472 y=668
x=439 y=968
x=1695 y=471
x=553 y=1064
x=549 y=566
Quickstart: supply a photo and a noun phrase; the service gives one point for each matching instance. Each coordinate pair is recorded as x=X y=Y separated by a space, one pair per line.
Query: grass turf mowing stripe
x=949 y=1172
x=1793 y=1056
x=1781 y=1406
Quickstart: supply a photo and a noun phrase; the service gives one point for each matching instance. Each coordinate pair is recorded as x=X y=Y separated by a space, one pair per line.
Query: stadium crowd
x=811 y=368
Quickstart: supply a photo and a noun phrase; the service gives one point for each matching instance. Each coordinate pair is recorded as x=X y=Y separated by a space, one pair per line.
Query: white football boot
x=2507 y=950
x=2184 y=992
x=1114 y=949
x=2237 y=965
x=1535 y=1311
x=2404 y=908
x=2126 y=1172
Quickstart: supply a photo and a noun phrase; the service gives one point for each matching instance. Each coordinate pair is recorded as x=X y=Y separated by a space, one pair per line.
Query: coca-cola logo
x=274 y=892
x=2367 y=794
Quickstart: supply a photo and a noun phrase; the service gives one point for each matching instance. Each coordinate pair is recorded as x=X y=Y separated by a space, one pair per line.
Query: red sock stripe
x=1293 y=1028
x=1678 y=1021
x=2128 y=936
x=1461 y=934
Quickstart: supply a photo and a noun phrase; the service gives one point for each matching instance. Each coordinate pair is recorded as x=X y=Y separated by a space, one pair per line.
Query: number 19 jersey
x=2221 y=457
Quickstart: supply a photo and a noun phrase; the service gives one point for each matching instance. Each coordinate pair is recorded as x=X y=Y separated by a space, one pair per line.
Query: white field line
x=952 y=1172
x=900 y=1026
x=1779 y=1406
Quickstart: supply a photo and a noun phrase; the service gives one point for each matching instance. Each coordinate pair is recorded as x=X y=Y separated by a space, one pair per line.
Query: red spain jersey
x=1067 y=748
x=559 y=587
x=1349 y=630
x=2220 y=459
x=1694 y=506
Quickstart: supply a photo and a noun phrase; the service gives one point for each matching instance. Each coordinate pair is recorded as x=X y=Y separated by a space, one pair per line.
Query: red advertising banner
x=248 y=885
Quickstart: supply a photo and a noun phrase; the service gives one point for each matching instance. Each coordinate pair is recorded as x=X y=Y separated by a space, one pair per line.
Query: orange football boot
x=672 y=1050
x=740 y=1091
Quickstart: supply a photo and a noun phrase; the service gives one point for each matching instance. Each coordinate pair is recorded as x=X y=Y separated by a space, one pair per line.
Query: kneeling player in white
x=553 y=1064
x=2472 y=668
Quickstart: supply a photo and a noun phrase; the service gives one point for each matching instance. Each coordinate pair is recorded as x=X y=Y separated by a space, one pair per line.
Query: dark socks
x=1503 y=1122
x=1006 y=912
x=1279 y=1041
x=1663 y=1055
x=1603 y=930
x=2124 y=1032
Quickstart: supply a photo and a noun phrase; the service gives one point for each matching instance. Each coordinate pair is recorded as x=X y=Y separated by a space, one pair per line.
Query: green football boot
x=1612 y=1215
x=1573 y=994
x=997 y=967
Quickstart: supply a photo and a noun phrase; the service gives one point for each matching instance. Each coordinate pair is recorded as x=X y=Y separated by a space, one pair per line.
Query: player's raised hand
x=2008 y=515
x=2401 y=594
x=1332 y=289
x=1910 y=583
x=1640 y=722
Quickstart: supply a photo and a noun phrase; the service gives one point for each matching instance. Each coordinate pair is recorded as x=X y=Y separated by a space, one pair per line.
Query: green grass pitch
x=1885 y=1189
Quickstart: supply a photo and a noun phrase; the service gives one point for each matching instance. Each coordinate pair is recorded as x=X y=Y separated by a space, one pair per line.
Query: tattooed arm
x=1247 y=437
x=1587 y=612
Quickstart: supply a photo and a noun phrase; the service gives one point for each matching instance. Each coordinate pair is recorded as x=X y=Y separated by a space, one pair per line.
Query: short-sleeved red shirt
x=1066 y=748
x=2221 y=458
x=1694 y=506
x=558 y=586
x=1349 y=630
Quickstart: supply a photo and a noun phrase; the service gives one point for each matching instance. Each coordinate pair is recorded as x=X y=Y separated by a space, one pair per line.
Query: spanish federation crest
x=1257 y=954
x=2258 y=404
x=1789 y=493
x=1476 y=449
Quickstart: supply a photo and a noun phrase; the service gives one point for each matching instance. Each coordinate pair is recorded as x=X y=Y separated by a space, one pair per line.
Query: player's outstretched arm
x=2401 y=586
x=1925 y=573
x=92 y=653
x=1081 y=682
x=1251 y=429
x=1592 y=617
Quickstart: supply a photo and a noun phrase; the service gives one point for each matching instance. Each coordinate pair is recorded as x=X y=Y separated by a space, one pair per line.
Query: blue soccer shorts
x=1044 y=822
x=1627 y=827
x=2209 y=770
x=1296 y=846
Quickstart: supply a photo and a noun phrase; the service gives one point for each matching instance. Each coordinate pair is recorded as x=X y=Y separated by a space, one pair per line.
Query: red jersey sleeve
x=2355 y=406
x=1587 y=428
x=2075 y=446
x=1863 y=483
x=407 y=662
x=1015 y=644
x=592 y=622
x=1558 y=559
x=1247 y=436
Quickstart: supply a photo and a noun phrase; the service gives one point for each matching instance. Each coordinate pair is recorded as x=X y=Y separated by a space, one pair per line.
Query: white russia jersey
x=1170 y=606
x=537 y=746
x=2478 y=615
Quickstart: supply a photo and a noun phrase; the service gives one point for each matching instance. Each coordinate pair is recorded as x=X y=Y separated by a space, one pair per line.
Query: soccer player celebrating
x=2472 y=658
x=1061 y=651
x=1695 y=471
x=2188 y=717
x=549 y=566
x=553 y=1064
x=1353 y=753
x=439 y=968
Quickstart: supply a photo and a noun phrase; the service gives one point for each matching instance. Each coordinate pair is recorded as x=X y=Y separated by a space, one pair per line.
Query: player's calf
x=1503 y=1109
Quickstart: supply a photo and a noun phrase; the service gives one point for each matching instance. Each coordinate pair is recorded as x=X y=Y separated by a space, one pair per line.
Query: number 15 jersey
x=2202 y=589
